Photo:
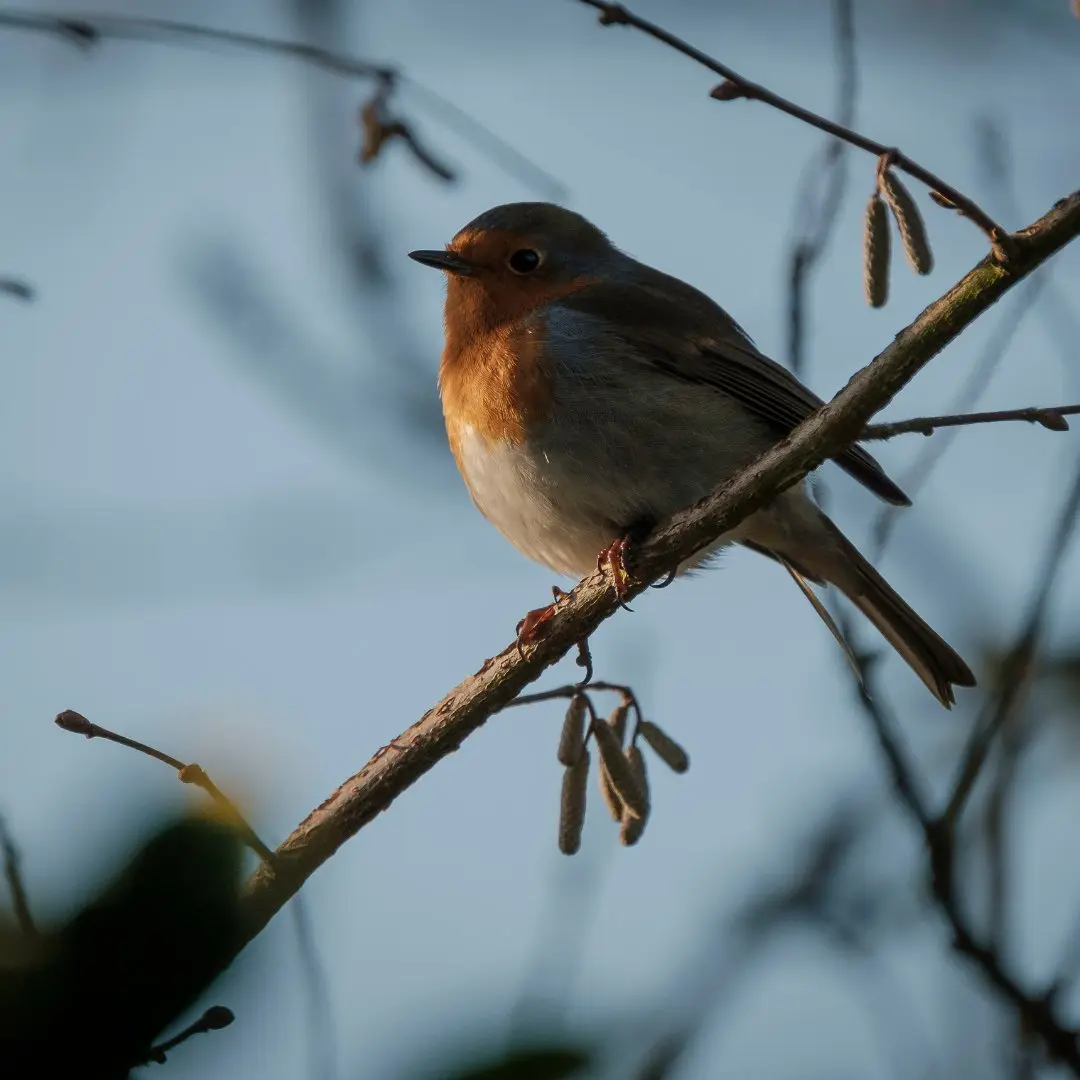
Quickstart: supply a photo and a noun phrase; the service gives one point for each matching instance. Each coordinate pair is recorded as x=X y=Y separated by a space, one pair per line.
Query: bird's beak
x=444 y=260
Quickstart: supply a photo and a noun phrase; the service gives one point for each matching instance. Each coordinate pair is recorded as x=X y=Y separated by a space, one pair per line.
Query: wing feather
x=687 y=336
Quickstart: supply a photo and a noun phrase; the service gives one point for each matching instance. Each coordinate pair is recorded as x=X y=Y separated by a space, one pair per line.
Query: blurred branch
x=322 y=1037
x=95 y=992
x=1036 y=1010
x=236 y=292
x=821 y=189
x=396 y=767
x=77 y=724
x=214 y=1019
x=1052 y=417
x=995 y=159
x=380 y=126
x=387 y=380
x=974 y=385
x=395 y=386
x=1015 y=736
x=323 y=1054
x=1018 y=665
x=19 y=289
x=20 y=903
x=89 y=30
x=735 y=86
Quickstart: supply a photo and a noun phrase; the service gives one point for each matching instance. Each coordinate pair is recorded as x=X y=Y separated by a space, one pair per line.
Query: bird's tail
x=823 y=554
x=927 y=654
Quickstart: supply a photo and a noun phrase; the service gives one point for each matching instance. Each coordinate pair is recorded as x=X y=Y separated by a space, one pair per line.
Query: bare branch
x=1052 y=417
x=1017 y=668
x=9 y=856
x=1036 y=1009
x=214 y=1019
x=77 y=724
x=396 y=767
x=735 y=86
x=88 y=30
x=966 y=397
x=380 y=126
x=821 y=189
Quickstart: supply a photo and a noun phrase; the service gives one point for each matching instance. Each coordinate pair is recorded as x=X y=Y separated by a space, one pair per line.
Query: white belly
x=544 y=515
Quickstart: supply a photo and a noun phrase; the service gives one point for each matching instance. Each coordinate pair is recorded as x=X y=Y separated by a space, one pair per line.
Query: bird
x=588 y=397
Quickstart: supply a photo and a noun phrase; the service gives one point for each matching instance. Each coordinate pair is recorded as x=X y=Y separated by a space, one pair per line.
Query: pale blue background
x=189 y=557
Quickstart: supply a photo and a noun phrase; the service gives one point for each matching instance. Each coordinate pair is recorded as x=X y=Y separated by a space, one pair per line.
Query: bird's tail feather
x=931 y=658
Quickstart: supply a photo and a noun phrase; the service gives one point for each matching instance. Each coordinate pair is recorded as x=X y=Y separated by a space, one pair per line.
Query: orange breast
x=499 y=385
x=495 y=376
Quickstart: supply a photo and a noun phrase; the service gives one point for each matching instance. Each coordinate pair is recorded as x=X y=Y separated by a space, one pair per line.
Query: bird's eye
x=524 y=261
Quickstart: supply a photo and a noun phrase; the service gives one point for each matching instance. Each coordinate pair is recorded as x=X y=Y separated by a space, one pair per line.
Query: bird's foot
x=612 y=563
x=534 y=625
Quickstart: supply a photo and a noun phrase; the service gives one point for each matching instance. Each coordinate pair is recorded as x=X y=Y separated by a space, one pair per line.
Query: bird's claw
x=612 y=563
x=533 y=627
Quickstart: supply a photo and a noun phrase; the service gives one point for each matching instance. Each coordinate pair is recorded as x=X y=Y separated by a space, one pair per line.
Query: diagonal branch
x=396 y=767
x=736 y=86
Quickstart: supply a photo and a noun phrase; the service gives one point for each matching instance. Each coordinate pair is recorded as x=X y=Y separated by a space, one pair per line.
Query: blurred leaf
x=90 y=998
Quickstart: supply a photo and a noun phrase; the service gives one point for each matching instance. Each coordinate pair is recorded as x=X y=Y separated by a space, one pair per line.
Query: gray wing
x=689 y=337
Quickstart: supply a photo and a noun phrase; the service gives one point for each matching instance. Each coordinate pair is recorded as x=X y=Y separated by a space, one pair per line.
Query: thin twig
x=89 y=30
x=77 y=724
x=995 y=158
x=397 y=766
x=968 y=395
x=380 y=126
x=1016 y=669
x=1052 y=417
x=20 y=902
x=572 y=690
x=736 y=86
x=214 y=1019
x=821 y=189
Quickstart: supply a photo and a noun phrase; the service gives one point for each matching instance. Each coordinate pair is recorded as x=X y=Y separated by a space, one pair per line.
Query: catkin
x=572 y=804
x=909 y=222
x=619 y=771
x=617 y=720
x=609 y=794
x=664 y=746
x=572 y=739
x=636 y=760
x=875 y=253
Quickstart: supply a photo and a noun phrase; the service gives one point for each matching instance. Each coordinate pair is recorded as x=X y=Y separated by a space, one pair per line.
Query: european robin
x=588 y=397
